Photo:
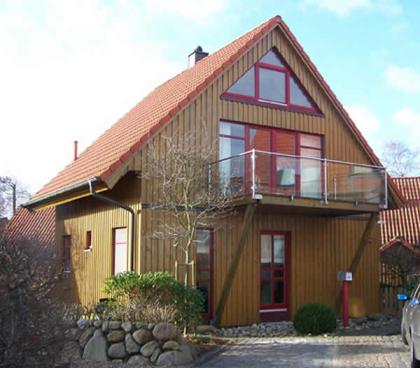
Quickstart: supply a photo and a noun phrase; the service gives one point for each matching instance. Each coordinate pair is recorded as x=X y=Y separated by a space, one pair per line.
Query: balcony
x=298 y=181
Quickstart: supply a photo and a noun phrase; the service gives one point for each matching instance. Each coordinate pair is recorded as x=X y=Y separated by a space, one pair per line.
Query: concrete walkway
x=309 y=352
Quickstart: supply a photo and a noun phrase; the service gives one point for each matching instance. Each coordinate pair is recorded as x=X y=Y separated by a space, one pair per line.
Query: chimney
x=75 y=150
x=196 y=56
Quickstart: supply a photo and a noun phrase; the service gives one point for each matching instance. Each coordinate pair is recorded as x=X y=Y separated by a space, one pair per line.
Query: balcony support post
x=325 y=181
x=253 y=172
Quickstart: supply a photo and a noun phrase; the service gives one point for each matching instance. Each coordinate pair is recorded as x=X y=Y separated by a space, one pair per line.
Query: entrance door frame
x=283 y=307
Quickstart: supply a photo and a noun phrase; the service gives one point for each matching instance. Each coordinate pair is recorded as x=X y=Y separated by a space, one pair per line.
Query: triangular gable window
x=270 y=81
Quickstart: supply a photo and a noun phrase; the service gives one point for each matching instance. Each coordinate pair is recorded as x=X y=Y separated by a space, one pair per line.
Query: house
x=308 y=207
x=400 y=238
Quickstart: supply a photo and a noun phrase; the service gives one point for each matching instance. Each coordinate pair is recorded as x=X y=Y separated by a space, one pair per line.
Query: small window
x=88 y=245
x=119 y=250
x=297 y=97
x=271 y=58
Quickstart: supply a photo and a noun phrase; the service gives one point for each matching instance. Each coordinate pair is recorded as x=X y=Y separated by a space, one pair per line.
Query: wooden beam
x=246 y=226
x=364 y=240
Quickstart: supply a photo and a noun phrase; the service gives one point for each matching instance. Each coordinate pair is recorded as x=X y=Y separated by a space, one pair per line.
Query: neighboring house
x=308 y=209
x=400 y=233
x=38 y=226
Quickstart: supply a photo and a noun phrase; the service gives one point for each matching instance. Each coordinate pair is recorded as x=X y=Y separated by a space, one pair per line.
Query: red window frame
x=88 y=245
x=67 y=253
x=209 y=313
x=298 y=147
x=114 y=244
x=286 y=274
x=288 y=74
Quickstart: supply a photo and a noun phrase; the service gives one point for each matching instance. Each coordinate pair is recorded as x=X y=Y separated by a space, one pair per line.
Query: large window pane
x=297 y=97
x=265 y=250
x=272 y=85
x=203 y=240
x=245 y=85
x=311 y=174
x=271 y=58
x=310 y=140
x=237 y=130
x=278 y=250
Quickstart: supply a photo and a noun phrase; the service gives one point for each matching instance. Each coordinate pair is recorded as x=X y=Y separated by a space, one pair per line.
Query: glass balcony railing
x=257 y=173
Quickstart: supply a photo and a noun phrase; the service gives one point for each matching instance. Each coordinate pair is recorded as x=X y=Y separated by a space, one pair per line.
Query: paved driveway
x=342 y=352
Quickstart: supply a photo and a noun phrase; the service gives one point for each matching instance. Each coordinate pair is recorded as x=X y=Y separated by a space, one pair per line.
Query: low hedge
x=315 y=319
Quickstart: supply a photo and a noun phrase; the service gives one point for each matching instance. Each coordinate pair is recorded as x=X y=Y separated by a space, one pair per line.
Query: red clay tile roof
x=404 y=222
x=125 y=137
x=34 y=225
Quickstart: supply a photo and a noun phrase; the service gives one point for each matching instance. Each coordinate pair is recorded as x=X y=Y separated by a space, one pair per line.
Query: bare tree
x=31 y=320
x=399 y=159
x=12 y=193
x=185 y=191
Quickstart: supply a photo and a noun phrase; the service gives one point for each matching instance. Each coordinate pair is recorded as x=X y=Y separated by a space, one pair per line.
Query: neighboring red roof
x=35 y=225
x=403 y=223
x=401 y=241
x=125 y=137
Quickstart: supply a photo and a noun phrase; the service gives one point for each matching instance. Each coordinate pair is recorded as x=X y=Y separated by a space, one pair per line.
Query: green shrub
x=159 y=289
x=315 y=319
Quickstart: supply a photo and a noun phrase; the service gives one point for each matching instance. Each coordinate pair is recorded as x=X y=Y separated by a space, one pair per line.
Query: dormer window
x=270 y=81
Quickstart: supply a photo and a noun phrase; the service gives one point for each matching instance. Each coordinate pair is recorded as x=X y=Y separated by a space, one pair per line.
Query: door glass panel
x=266 y=274
x=260 y=141
x=203 y=259
x=272 y=85
x=278 y=273
x=278 y=250
x=266 y=293
x=310 y=171
x=285 y=167
x=120 y=250
x=265 y=250
x=279 y=292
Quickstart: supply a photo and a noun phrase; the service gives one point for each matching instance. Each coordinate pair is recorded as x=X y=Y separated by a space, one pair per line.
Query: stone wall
x=133 y=343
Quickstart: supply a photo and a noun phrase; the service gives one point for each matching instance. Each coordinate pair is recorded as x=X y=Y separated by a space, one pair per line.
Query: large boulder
x=171 y=358
x=86 y=335
x=165 y=331
x=117 y=351
x=148 y=349
x=95 y=348
x=130 y=345
x=142 y=336
x=171 y=345
x=115 y=336
x=138 y=361
x=154 y=357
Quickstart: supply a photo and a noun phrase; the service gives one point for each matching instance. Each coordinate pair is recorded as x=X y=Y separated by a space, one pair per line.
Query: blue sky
x=70 y=69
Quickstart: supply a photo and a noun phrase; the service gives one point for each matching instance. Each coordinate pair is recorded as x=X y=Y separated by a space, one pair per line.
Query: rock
x=139 y=325
x=117 y=351
x=154 y=357
x=114 y=325
x=83 y=323
x=118 y=361
x=73 y=334
x=142 y=336
x=97 y=323
x=95 y=348
x=105 y=326
x=359 y=321
x=70 y=352
x=171 y=345
x=147 y=349
x=209 y=329
x=115 y=336
x=374 y=317
x=165 y=331
x=130 y=345
x=172 y=358
x=127 y=326
x=150 y=326
x=138 y=361
x=86 y=335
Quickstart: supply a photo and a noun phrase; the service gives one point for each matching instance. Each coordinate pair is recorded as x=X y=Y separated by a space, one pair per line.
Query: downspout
x=106 y=199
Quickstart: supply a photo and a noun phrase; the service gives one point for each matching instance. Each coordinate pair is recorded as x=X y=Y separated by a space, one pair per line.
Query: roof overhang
x=66 y=194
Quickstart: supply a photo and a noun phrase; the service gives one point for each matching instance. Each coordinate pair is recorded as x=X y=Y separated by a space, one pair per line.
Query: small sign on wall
x=344 y=276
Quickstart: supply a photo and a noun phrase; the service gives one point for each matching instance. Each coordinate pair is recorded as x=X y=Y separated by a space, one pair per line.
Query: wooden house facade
x=309 y=187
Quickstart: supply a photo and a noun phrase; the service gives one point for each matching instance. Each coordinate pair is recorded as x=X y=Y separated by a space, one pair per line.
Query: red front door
x=274 y=259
